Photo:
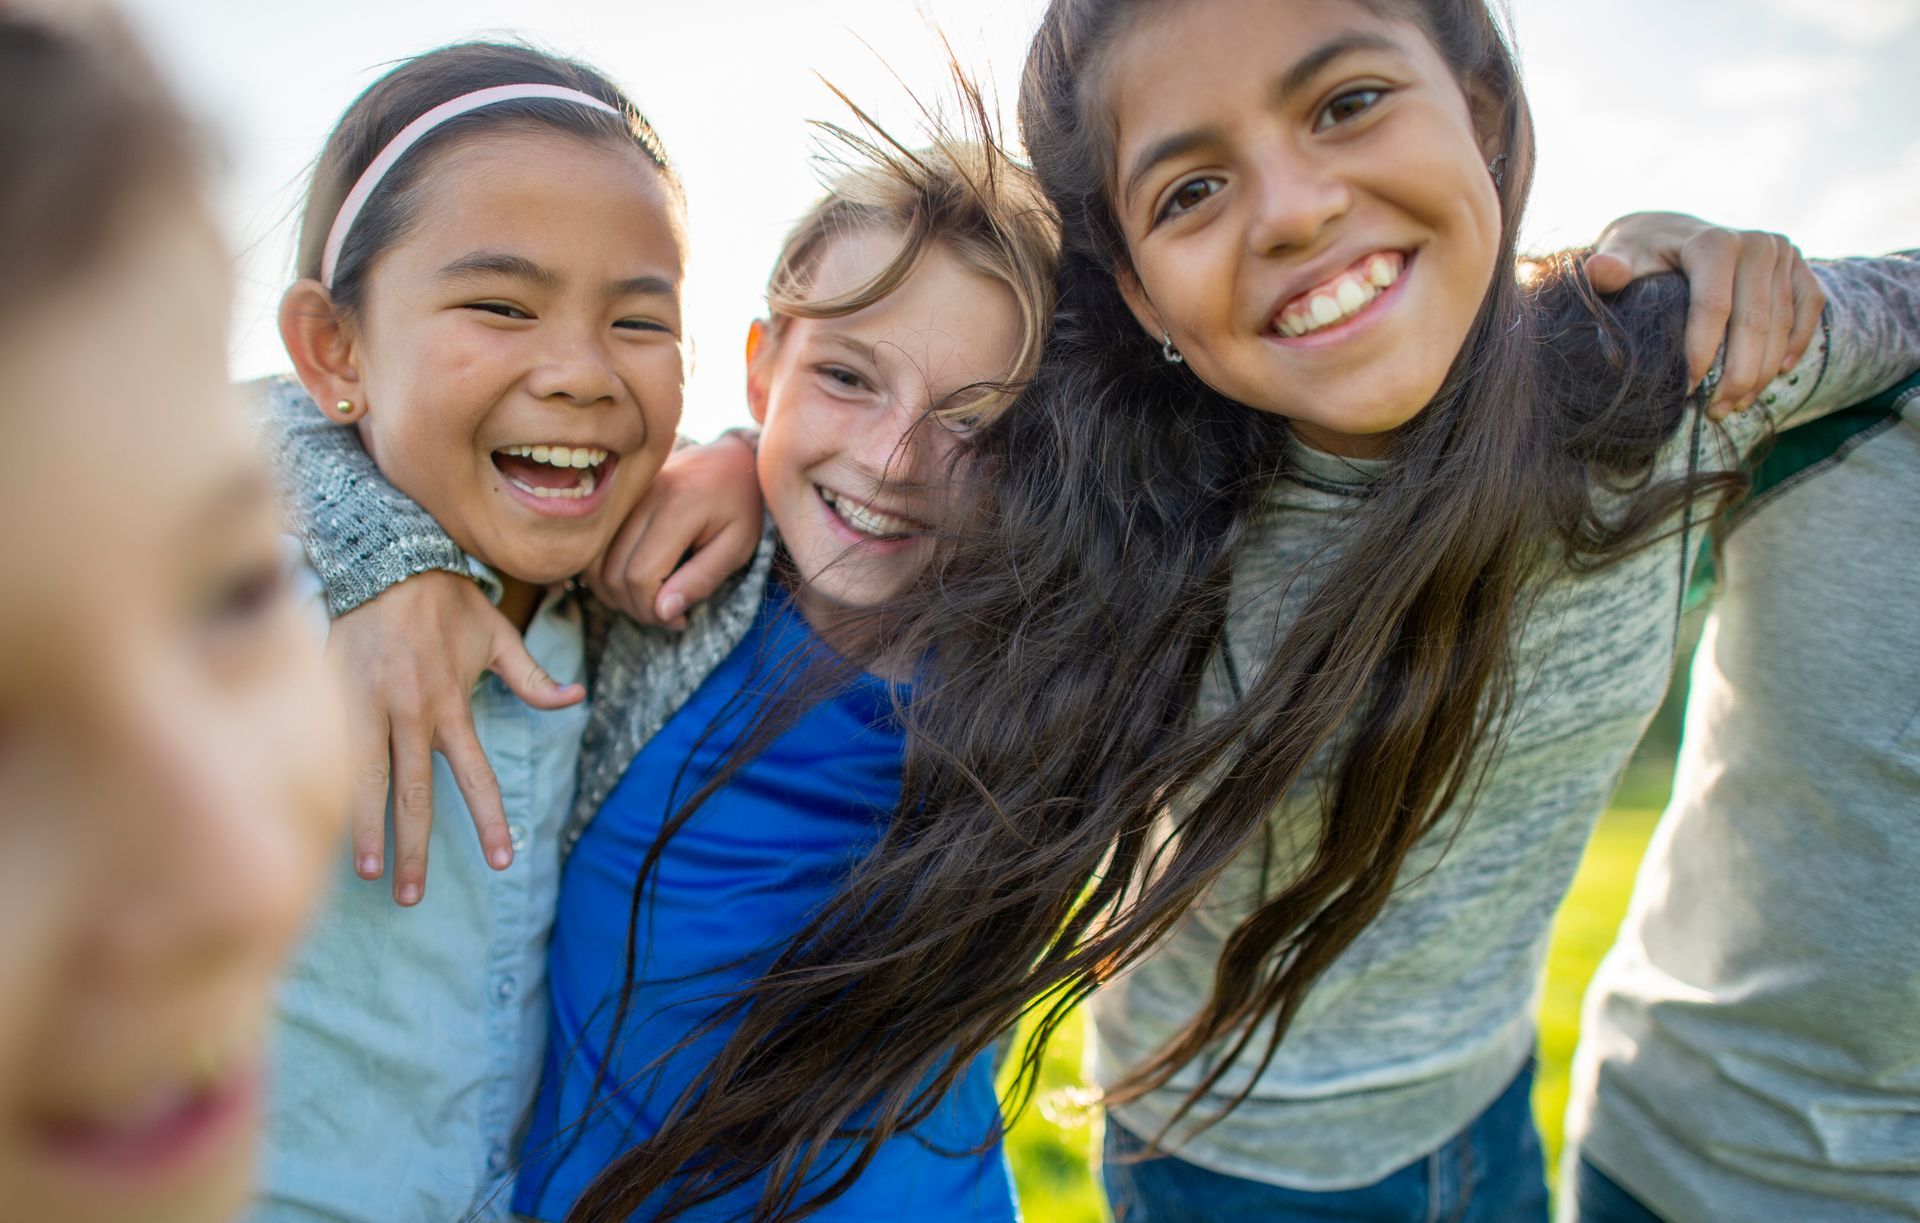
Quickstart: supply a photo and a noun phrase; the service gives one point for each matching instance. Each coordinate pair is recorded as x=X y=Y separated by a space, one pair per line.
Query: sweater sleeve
x=361 y=534
x=1869 y=339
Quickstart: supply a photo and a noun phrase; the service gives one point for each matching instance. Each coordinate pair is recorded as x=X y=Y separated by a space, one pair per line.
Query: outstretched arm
x=408 y=652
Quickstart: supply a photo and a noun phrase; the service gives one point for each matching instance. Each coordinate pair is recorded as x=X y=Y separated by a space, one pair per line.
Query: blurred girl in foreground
x=167 y=760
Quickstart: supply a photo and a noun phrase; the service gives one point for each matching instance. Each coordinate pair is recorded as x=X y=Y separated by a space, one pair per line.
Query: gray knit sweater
x=1422 y=1022
x=363 y=535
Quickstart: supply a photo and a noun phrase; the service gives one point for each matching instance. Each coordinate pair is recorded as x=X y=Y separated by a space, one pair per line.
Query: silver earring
x=1498 y=168
x=1167 y=349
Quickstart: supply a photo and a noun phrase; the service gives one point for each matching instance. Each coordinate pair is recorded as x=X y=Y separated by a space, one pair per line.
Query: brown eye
x=1345 y=107
x=1189 y=195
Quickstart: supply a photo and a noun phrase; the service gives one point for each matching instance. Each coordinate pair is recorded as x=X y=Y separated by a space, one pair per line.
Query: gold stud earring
x=345 y=407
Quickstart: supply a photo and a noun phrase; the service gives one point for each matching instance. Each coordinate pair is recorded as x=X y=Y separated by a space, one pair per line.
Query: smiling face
x=1306 y=204
x=518 y=354
x=170 y=759
x=852 y=470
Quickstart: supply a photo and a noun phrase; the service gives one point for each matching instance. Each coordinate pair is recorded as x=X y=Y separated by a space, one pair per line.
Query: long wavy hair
x=1070 y=615
x=961 y=195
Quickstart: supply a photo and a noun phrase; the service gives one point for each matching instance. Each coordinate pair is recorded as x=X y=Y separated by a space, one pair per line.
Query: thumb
x=703 y=573
x=1608 y=272
x=529 y=682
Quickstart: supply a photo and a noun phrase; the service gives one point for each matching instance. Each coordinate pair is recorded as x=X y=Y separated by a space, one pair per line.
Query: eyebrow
x=858 y=348
x=1291 y=82
x=477 y=265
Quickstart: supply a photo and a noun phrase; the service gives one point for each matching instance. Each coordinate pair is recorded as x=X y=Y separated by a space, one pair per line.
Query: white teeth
x=866 y=519
x=578 y=492
x=559 y=456
x=1344 y=298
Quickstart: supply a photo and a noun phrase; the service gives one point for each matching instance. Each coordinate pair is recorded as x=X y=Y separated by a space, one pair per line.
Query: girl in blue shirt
x=750 y=807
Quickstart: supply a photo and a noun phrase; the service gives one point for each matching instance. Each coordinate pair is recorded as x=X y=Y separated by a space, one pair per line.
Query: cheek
x=40 y=880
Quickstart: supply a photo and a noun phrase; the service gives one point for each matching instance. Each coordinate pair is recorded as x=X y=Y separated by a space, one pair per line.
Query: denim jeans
x=1598 y=1198
x=1491 y=1172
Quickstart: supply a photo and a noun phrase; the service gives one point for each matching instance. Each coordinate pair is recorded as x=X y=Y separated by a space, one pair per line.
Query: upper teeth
x=560 y=456
x=1344 y=297
x=865 y=519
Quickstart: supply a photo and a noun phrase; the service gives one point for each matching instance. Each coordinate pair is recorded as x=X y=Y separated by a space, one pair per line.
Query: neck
x=519 y=600
x=851 y=632
x=1346 y=445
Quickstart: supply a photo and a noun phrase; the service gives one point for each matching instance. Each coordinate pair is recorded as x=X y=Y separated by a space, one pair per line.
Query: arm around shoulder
x=361 y=534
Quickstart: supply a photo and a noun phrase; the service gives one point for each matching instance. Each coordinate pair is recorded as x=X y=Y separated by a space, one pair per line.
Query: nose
x=892 y=444
x=1296 y=193
x=575 y=367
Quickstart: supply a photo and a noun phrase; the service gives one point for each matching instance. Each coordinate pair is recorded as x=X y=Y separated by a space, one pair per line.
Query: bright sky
x=1796 y=115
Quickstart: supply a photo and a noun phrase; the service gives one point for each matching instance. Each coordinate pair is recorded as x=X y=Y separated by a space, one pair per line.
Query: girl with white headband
x=491 y=263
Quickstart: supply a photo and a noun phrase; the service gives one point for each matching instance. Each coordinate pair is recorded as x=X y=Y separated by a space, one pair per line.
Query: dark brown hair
x=88 y=135
x=415 y=87
x=1068 y=619
x=961 y=194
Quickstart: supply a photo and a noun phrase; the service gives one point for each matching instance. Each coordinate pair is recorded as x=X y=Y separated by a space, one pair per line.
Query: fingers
x=1752 y=329
x=617 y=579
x=367 y=740
x=468 y=761
x=1608 y=272
x=1774 y=362
x=702 y=573
x=1809 y=299
x=412 y=811
x=1710 y=260
x=528 y=680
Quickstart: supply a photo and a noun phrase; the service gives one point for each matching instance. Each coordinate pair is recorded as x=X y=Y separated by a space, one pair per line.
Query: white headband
x=411 y=135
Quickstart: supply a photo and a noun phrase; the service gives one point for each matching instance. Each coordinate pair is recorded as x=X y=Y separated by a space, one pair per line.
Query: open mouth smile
x=1341 y=298
x=157 y=1136
x=554 y=479
x=865 y=520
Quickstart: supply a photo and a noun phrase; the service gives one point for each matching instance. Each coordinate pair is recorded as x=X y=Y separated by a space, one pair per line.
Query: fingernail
x=502 y=858
x=1791 y=362
x=410 y=894
x=672 y=604
x=370 y=866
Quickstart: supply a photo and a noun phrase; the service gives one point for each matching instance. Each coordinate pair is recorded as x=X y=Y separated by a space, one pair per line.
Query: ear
x=760 y=346
x=1488 y=111
x=323 y=350
x=1135 y=295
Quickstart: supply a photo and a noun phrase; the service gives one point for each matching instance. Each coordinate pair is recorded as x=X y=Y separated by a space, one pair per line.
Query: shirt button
x=497 y=1160
x=506 y=988
x=518 y=833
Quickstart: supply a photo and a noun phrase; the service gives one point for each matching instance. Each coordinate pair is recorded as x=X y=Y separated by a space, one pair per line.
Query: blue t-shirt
x=756 y=860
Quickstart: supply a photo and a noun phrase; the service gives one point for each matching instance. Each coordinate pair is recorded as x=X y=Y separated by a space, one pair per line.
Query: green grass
x=1053 y=1145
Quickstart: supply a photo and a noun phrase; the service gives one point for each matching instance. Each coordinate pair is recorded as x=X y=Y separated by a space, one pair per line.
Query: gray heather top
x=1429 y=1014
x=362 y=535
x=1751 y=1048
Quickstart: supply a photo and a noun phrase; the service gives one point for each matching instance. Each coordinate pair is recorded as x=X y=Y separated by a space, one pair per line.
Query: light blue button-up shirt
x=410 y=1040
